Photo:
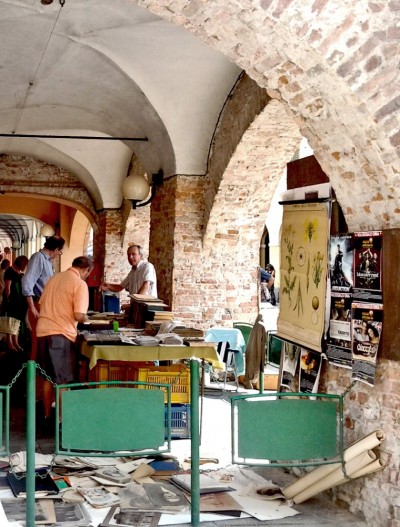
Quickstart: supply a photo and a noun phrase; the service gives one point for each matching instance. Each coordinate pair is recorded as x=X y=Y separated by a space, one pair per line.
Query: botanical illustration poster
x=338 y=349
x=366 y=331
x=304 y=264
x=368 y=266
x=341 y=262
x=309 y=372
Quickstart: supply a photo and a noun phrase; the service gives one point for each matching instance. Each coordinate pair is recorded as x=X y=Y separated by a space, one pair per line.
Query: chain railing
x=32 y=370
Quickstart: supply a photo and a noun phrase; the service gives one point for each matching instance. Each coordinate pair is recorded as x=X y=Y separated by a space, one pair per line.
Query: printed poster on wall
x=310 y=370
x=290 y=358
x=303 y=270
x=366 y=332
x=368 y=266
x=341 y=262
x=338 y=350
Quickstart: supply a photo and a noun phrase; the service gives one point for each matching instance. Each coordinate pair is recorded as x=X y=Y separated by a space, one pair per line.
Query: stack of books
x=190 y=333
x=148 y=308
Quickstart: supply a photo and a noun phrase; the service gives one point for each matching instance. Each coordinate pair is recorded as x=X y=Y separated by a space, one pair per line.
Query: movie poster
x=339 y=351
x=366 y=327
x=341 y=262
x=303 y=270
x=368 y=266
x=310 y=369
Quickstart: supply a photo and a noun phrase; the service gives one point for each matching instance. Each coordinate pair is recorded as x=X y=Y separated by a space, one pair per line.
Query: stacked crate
x=179 y=379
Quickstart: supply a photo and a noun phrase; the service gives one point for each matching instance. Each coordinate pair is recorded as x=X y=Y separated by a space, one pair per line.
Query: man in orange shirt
x=64 y=303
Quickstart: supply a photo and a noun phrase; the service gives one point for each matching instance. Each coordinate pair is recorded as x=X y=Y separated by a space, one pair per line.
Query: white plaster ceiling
x=107 y=68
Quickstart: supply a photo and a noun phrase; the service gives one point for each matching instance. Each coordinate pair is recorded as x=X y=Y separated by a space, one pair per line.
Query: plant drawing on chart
x=289 y=280
x=310 y=229
x=318 y=268
x=299 y=302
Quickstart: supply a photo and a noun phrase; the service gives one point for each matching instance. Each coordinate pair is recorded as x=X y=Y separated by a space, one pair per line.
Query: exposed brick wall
x=177 y=220
x=333 y=68
x=334 y=65
x=206 y=231
x=366 y=409
x=236 y=222
x=26 y=175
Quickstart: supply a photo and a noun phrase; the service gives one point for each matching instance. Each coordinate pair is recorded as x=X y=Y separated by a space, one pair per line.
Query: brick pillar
x=177 y=218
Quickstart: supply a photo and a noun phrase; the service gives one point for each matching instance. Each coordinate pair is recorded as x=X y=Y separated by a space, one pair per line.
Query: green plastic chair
x=245 y=328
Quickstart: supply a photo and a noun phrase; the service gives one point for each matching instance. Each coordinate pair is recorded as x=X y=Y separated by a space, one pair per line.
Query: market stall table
x=112 y=361
x=102 y=354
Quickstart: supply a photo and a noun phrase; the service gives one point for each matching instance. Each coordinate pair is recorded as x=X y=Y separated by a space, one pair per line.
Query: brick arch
x=32 y=177
x=237 y=219
x=333 y=65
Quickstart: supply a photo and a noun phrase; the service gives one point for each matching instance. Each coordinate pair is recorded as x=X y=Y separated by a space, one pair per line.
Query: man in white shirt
x=141 y=278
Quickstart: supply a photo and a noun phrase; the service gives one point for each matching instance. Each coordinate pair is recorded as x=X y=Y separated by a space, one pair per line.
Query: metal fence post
x=195 y=442
x=30 y=442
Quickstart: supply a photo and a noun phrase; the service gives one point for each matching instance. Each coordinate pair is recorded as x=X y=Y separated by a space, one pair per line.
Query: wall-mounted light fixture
x=136 y=188
x=17 y=244
x=46 y=231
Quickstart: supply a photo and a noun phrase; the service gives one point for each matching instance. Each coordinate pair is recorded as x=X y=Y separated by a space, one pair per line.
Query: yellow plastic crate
x=179 y=381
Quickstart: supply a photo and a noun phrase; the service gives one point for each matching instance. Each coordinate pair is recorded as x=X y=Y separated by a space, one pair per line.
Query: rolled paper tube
x=375 y=466
x=367 y=443
x=336 y=477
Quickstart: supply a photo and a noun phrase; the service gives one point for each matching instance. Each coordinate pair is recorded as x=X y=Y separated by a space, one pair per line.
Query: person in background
x=5 y=264
x=267 y=278
x=271 y=270
x=64 y=303
x=141 y=279
x=39 y=270
x=14 y=303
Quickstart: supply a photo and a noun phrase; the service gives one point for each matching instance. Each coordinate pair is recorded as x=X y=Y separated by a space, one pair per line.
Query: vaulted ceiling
x=113 y=71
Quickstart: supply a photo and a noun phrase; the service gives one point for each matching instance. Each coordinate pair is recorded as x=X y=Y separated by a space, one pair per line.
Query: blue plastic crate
x=180 y=421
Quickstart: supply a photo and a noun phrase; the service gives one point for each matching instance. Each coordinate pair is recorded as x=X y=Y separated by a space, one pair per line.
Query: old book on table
x=165 y=467
x=15 y=511
x=158 y=315
x=125 y=517
x=112 y=474
x=44 y=483
x=207 y=484
x=199 y=343
x=98 y=496
x=144 y=298
x=220 y=503
x=156 y=306
x=166 y=497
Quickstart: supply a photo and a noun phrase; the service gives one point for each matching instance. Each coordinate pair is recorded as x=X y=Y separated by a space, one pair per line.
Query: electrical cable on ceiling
x=94 y=137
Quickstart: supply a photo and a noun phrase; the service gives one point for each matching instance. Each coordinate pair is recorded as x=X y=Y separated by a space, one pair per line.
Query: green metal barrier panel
x=285 y=430
x=4 y=420
x=1 y=423
x=116 y=419
x=274 y=348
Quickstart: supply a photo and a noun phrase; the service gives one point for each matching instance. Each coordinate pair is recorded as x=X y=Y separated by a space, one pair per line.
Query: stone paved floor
x=316 y=512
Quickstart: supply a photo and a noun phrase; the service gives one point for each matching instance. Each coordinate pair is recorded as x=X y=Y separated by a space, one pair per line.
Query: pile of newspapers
x=166 y=339
x=145 y=340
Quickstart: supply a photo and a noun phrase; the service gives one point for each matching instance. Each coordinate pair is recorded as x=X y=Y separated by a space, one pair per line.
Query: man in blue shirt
x=39 y=270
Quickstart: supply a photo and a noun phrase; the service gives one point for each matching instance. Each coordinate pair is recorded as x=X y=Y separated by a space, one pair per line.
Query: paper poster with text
x=339 y=351
x=368 y=266
x=341 y=262
x=366 y=328
x=303 y=271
